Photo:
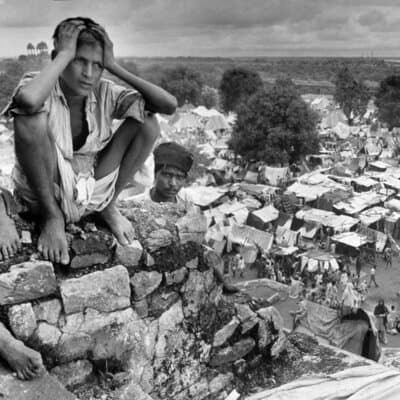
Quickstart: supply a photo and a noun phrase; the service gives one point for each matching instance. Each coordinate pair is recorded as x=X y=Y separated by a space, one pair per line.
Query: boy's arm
x=32 y=95
x=157 y=99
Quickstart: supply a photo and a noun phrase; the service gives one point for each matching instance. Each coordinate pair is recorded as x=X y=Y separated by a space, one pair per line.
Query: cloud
x=372 y=18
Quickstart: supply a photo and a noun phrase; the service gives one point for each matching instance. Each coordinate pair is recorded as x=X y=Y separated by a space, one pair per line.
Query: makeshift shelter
x=243 y=234
x=329 y=199
x=274 y=176
x=351 y=239
x=359 y=202
x=262 y=217
x=374 y=216
x=205 y=112
x=216 y=123
x=333 y=118
x=341 y=130
x=205 y=196
x=317 y=260
x=364 y=183
x=185 y=121
x=339 y=223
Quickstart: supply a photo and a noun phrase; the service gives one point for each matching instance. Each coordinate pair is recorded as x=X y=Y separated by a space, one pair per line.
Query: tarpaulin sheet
x=243 y=234
x=368 y=382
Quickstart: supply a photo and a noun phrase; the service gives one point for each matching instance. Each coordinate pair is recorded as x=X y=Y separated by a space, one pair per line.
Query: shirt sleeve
x=12 y=107
x=124 y=102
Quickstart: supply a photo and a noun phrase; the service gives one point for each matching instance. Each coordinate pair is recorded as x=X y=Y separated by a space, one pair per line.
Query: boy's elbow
x=170 y=105
x=25 y=101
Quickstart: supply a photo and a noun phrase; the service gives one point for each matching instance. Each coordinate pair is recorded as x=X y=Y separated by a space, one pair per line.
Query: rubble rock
x=279 y=345
x=48 y=311
x=220 y=382
x=176 y=276
x=89 y=251
x=158 y=239
x=46 y=336
x=27 y=281
x=247 y=317
x=161 y=302
x=265 y=336
x=192 y=228
x=230 y=354
x=129 y=255
x=199 y=390
x=192 y=264
x=240 y=366
x=272 y=314
x=22 y=320
x=142 y=308
x=73 y=346
x=144 y=283
x=106 y=291
x=225 y=333
x=132 y=391
x=74 y=373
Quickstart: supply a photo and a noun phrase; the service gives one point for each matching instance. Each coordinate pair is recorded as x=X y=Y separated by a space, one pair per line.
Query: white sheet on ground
x=368 y=382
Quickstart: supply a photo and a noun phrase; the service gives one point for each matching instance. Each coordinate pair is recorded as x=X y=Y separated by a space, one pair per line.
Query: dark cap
x=174 y=155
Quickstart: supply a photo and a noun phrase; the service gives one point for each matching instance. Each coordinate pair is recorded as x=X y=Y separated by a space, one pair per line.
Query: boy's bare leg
x=130 y=147
x=9 y=239
x=36 y=155
x=26 y=362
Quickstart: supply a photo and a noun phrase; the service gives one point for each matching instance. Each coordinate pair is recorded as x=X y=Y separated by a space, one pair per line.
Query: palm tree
x=30 y=48
x=41 y=47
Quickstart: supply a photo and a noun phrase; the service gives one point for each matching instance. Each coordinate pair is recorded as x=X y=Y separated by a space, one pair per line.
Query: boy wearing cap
x=63 y=116
x=172 y=164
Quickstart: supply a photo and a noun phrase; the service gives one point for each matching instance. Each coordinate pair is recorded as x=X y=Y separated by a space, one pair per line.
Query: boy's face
x=83 y=73
x=169 y=181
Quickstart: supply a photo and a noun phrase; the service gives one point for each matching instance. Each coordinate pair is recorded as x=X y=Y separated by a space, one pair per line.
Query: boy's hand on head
x=108 y=52
x=68 y=36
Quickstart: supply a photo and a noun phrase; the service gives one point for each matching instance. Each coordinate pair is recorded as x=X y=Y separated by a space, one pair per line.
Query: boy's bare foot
x=9 y=239
x=52 y=242
x=26 y=362
x=120 y=226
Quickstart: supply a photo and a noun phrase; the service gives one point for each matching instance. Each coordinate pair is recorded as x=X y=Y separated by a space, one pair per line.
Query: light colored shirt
x=107 y=101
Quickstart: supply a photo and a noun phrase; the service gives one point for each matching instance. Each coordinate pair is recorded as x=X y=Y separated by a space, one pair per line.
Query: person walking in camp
x=381 y=313
x=299 y=314
x=372 y=276
x=388 y=255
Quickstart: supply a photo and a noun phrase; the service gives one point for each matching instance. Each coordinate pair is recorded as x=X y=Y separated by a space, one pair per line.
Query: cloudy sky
x=215 y=27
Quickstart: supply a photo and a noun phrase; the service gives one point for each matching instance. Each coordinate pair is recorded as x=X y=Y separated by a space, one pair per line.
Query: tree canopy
x=237 y=85
x=275 y=126
x=209 y=97
x=387 y=101
x=351 y=94
x=184 y=83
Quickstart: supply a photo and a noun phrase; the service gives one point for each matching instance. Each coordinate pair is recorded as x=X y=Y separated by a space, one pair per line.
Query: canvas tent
x=216 y=123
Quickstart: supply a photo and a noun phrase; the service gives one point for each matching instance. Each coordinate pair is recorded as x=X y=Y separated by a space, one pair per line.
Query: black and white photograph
x=199 y=200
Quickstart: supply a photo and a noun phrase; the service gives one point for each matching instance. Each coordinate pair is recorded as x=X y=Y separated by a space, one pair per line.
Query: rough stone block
x=158 y=239
x=230 y=354
x=144 y=283
x=225 y=333
x=192 y=264
x=104 y=335
x=192 y=228
x=273 y=315
x=199 y=390
x=161 y=302
x=74 y=373
x=247 y=317
x=106 y=291
x=176 y=276
x=22 y=320
x=44 y=388
x=133 y=391
x=129 y=255
x=46 y=335
x=88 y=252
x=142 y=308
x=48 y=311
x=220 y=382
x=27 y=281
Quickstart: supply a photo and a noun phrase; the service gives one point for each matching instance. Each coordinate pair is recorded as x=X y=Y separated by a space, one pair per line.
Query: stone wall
x=153 y=311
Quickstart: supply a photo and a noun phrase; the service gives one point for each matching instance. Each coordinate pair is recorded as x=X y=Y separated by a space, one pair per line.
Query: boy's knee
x=151 y=126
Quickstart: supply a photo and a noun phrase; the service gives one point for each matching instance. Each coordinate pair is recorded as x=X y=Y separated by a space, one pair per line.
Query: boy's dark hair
x=86 y=36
